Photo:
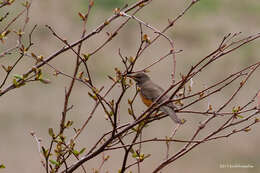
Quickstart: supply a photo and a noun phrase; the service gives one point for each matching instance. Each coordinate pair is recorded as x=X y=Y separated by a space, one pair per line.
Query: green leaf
x=69 y=123
x=134 y=129
x=25 y=76
x=61 y=138
x=131 y=59
x=38 y=74
x=130 y=101
x=240 y=116
x=17 y=76
x=54 y=162
x=93 y=96
x=16 y=84
x=11 y=1
x=124 y=81
x=132 y=150
x=86 y=56
x=75 y=152
x=134 y=155
x=141 y=157
x=2 y=166
x=111 y=113
x=51 y=133
x=235 y=110
x=82 y=150
x=45 y=152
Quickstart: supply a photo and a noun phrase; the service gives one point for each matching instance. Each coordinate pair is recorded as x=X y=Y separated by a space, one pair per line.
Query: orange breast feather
x=146 y=101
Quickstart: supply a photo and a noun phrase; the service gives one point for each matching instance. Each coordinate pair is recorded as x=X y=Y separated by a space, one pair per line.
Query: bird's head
x=139 y=78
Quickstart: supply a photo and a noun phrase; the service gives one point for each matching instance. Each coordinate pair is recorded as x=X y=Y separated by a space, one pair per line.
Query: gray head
x=140 y=78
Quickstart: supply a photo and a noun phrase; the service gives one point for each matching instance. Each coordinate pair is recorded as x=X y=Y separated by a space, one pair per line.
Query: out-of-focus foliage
x=110 y=4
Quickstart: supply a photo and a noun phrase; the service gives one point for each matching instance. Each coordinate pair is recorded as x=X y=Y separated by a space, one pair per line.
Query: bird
x=149 y=92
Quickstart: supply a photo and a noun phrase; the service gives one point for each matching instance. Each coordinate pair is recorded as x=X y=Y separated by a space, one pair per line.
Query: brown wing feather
x=152 y=91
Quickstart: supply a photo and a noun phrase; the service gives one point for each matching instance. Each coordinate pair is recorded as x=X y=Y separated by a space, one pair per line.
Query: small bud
x=112 y=102
x=26 y=4
x=7 y=69
x=18 y=76
x=56 y=73
x=39 y=58
x=19 y=33
x=247 y=129
x=5 y=33
x=201 y=94
x=34 y=69
x=33 y=55
x=131 y=59
x=106 y=157
x=131 y=82
x=93 y=96
x=10 y=2
x=141 y=5
x=116 y=11
x=121 y=14
x=184 y=121
x=91 y=3
x=189 y=88
x=81 y=16
x=81 y=74
x=242 y=83
x=69 y=123
x=86 y=79
x=130 y=112
x=86 y=57
x=32 y=133
x=51 y=133
x=210 y=107
x=106 y=22
x=202 y=126
x=146 y=38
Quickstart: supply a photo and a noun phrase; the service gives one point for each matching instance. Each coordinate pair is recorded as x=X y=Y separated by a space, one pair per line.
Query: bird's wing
x=152 y=91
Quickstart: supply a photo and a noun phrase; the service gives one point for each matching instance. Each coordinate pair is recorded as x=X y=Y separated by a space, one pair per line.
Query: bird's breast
x=146 y=101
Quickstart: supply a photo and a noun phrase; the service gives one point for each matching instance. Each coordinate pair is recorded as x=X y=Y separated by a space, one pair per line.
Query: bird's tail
x=170 y=111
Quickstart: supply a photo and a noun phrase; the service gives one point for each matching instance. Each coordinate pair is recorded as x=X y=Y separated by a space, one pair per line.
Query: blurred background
x=37 y=107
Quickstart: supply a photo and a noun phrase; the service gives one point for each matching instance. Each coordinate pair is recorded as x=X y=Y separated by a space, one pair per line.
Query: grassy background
x=37 y=107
